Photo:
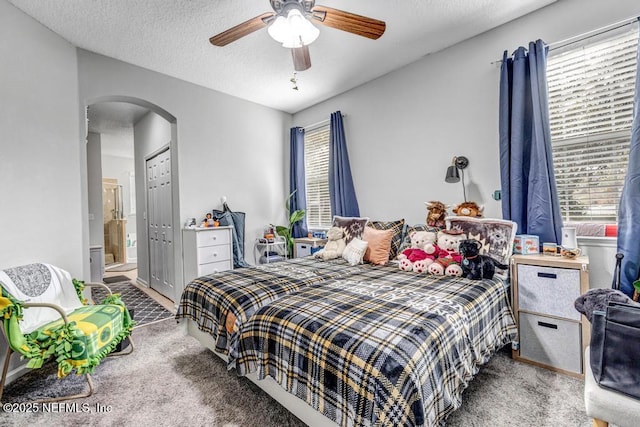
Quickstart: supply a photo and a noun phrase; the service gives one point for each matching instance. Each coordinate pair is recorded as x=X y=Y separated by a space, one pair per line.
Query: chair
x=606 y=406
x=45 y=316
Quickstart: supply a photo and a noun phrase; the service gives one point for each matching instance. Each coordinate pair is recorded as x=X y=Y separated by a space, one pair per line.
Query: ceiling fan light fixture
x=293 y=31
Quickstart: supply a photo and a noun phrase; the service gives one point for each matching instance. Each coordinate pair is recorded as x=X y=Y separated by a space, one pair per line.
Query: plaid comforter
x=219 y=303
x=394 y=350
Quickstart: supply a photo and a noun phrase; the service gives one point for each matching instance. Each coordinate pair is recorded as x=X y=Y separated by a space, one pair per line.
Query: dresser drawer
x=214 y=267
x=212 y=237
x=548 y=290
x=551 y=341
x=210 y=254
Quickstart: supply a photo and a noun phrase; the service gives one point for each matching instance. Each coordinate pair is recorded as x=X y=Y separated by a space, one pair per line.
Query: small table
x=306 y=246
x=270 y=250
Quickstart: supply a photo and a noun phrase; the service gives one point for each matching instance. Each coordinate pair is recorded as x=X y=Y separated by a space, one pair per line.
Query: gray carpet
x=171 y=380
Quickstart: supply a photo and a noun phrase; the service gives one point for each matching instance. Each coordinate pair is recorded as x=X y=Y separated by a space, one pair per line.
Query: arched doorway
x=151 y=236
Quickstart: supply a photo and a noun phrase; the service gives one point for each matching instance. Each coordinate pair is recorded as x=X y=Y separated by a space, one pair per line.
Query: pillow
x=496 y=235
x=396 y=239
x=406 y=238
x=354 y=252
x=378 y=245
x=351 y=226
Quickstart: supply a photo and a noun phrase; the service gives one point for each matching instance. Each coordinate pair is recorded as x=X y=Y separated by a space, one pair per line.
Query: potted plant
x=287 y=231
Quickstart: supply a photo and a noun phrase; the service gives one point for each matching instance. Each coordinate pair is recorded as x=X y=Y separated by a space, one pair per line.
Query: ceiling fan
x=291 y=24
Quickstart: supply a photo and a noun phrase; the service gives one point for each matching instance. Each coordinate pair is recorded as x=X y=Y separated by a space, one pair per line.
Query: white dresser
x=206 y=251
x=552 y=333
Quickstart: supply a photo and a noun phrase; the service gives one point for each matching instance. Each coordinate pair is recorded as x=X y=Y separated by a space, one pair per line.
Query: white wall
x=224 y=146
x=403 y=128
x=40 y=219
x=94 y=185
x=39 y=146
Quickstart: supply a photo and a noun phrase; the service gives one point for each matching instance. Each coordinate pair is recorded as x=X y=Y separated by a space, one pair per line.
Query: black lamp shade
x=453 y=175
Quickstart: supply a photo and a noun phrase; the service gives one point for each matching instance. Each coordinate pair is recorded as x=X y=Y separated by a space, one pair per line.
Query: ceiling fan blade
x=301 y=58
x=241 y=30
x=350 y=22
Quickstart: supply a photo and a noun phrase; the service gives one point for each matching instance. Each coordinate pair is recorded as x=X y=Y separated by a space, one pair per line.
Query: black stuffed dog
x=474 y=265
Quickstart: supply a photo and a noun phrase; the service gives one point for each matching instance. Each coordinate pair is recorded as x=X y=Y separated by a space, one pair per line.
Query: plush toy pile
x=420 y=254
x=434 y=254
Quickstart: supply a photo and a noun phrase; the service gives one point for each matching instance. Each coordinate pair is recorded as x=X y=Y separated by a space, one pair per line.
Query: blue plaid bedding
x=219 y=303
x=396 y=349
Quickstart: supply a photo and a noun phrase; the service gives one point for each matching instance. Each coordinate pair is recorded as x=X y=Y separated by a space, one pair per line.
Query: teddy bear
x=416 y=258
x=335 y=245
x=468 y=209
x=436 y=214
x=448 y=258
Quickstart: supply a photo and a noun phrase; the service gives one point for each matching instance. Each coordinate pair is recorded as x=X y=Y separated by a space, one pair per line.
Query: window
x=591 y=92
x=316 y=166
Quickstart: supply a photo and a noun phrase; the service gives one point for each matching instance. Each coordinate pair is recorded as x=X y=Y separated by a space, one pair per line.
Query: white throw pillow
x=355 y=250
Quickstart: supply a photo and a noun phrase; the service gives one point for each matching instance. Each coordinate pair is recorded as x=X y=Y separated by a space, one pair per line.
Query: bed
x=220 y=303
x=355 y=345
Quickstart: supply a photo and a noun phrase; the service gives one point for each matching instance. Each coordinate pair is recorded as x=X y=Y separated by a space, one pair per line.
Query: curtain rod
x=584 y=36
x=320 y=123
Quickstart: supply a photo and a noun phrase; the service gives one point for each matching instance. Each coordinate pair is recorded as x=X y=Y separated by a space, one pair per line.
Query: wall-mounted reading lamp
x=458 y=164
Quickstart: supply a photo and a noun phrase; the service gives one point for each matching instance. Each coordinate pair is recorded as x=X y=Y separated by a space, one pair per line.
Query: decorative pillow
x=379 y=245
x=352 y=226
x=496 y=235
x=396 y=239
x=354 y=252
x=406 y=238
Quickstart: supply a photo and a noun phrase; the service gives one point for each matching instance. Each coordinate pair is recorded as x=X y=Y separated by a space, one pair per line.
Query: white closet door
x=160 y=223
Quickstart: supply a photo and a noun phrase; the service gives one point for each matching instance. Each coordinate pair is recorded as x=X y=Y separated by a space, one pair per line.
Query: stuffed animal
x=415 y=258
x=468 y=209
x=436 y=214
x=448 y=258
x=474 y=265
x=335 y=245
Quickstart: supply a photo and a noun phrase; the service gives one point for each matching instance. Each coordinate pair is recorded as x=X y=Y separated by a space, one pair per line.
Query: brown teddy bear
x=436 y=213
x=468 y=209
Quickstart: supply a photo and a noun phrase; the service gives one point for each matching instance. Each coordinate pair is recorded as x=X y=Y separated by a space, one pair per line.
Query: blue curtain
x=629 y=212
x=297 y=185
x=341 y=190
x=529 y=194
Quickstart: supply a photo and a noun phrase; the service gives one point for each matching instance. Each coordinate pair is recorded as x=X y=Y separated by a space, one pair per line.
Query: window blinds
x=316 y=163
x=591 y=92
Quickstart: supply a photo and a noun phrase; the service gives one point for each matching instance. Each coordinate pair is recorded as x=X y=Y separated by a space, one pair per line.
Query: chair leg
x=73 y=396
x=124 y=352
x=599 y=423
x=5 y=369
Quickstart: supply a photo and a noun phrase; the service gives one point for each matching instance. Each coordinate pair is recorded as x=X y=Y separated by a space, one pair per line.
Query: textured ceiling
x=172 y=37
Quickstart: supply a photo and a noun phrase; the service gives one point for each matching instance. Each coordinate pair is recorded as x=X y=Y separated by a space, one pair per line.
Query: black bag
x=615 y=348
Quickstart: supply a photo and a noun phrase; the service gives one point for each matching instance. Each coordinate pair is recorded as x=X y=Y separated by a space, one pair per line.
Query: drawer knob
x=214 y=237
x=215 y=254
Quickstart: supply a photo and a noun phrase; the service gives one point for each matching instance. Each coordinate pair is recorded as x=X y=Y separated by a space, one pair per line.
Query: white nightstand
x=306 y=246
x=551 y=332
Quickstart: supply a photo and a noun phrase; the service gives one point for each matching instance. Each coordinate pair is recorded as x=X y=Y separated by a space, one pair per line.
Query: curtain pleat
x=529 y=194
x=297 y=184
x=341 y=190
x=629 y=211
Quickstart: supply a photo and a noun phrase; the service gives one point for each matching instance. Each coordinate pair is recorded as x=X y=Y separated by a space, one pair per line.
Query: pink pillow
x=379 y=245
